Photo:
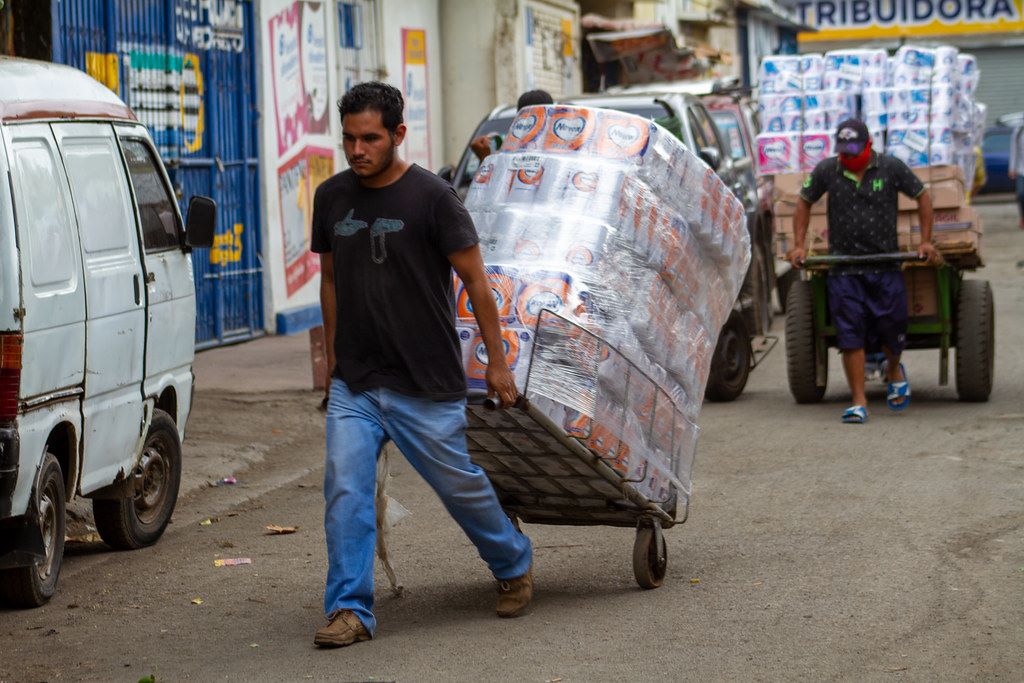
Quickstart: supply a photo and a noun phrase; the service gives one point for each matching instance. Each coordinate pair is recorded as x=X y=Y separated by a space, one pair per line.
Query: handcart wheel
x=650 y=557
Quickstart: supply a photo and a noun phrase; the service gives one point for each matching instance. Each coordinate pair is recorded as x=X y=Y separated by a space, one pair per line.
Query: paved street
x=814 y=550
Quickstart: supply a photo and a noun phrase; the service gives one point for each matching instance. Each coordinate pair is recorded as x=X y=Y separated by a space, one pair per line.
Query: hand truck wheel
x=650 y=556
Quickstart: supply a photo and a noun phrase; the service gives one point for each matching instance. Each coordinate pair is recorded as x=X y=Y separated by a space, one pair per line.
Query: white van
x=97 y=322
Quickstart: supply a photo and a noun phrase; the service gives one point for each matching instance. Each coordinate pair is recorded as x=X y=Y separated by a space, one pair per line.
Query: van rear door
x=53 y=294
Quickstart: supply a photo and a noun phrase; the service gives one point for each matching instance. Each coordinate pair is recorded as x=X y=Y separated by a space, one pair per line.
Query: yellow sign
x=103 y=67
x=415 y=46
x=227 y=247
x=567 y=42
x=871 y=19
x=190 y=62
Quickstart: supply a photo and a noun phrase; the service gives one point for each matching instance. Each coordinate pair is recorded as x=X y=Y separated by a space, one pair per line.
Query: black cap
x=851 y=137
x=534 y=97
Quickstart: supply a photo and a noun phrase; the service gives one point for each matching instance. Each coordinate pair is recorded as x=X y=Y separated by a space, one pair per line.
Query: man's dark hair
x=532 y=97
x=380 y=97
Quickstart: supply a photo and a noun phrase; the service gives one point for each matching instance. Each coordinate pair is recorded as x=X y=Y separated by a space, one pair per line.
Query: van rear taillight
x=10 y=376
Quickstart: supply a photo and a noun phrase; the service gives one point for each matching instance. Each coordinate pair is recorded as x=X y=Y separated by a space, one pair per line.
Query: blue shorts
x=869 y=310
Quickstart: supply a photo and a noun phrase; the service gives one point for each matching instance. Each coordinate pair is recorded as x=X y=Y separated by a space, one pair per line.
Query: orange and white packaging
x=526 y=129
x=569 y=129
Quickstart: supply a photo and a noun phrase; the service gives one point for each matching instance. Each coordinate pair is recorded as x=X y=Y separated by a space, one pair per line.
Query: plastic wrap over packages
x=614 y=255
x=780 y=74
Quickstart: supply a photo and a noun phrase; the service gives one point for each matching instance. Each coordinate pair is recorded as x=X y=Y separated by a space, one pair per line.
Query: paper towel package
x=613 y=278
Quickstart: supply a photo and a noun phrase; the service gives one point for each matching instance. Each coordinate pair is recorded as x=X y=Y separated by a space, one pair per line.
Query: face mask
x=857 y=163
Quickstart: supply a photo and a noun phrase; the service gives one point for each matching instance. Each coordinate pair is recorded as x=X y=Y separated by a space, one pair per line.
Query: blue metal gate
x=188 y=70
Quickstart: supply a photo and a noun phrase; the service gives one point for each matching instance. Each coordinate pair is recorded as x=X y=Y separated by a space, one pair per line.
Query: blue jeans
x=432 y=437
x=1019 y=187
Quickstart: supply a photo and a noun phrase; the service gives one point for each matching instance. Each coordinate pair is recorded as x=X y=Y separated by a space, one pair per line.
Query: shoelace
x=505 y=586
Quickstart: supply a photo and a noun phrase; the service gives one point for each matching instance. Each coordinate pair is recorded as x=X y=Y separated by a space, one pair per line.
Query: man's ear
x=399 y=135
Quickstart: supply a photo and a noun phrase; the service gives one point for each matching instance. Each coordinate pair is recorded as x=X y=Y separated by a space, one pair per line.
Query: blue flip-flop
x=855 y=415
x=898 y=393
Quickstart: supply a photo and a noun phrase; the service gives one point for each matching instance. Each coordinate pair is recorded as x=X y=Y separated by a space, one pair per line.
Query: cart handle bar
x=863 y=259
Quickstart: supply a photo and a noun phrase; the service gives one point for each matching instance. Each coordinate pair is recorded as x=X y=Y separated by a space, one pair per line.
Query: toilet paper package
x=814 y=119
x=778 y=153
x=780 y=74
x=812 y=68
x=815 y=147
x=614 y=255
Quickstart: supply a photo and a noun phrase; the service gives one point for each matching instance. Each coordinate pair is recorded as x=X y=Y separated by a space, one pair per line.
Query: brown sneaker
x=514 y=595
x=345 y=628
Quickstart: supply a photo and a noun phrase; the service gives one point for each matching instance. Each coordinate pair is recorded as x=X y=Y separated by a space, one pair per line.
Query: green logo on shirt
x=876 y=184
x=807 y=181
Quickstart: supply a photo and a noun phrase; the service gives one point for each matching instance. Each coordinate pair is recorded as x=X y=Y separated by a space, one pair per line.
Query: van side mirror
x=447 y=173
x=711 y=156
x=201 y=222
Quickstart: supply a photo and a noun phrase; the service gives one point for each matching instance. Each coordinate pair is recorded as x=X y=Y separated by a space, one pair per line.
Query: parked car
x=97 y=322
x=693 y=124
x=995 y=149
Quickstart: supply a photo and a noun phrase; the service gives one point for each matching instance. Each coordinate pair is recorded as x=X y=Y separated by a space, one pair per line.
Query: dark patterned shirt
x=862 y=214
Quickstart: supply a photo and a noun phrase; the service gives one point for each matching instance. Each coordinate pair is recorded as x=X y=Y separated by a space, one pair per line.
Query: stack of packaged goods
x=606 y=220
x=919 y=106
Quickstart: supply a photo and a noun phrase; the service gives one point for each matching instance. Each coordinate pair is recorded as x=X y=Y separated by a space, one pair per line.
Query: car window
x=998 y=142
x=699 y=135
x=729 y=125
x=706 y=125
x=160 y=228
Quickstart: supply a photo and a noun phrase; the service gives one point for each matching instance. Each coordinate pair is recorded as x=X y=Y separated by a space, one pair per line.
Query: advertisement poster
x=286 y=75
x=297 y=180
x=313 y=48
x=415 y=90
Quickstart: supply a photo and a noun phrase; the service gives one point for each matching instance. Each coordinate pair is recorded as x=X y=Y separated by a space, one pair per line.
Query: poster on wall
x=313 y=50
x=286 y=77
x=416 y=93
x=297 y=180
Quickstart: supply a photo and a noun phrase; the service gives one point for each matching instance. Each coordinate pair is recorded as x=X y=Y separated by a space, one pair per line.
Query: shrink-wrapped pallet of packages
x=615 y=256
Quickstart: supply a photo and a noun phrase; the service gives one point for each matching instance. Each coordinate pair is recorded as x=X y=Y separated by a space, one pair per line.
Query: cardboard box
x=935 y=174
x=946 y=194
x=922 y=292
x=787 y=194
x=816 y=241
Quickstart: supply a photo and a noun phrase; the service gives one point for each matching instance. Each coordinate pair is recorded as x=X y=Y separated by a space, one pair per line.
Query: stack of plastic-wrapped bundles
x=608 y=221
x=918 y=104
x=933 y=116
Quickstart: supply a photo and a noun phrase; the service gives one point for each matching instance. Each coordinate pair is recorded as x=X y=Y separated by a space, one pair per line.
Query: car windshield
x=729 y=125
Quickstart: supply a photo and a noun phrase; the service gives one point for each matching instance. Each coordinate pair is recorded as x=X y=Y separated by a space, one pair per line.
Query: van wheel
x=139 y=519
x=730 y=364
x=33 y=586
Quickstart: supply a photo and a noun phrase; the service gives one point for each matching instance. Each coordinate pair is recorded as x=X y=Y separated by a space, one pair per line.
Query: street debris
x=83 y=538
x=197 y=601
x=277 y=530
x=896 y=669
x=232 y=562
x=694 y=582
x=226 y=481
x=147 y=679
x=208 y=521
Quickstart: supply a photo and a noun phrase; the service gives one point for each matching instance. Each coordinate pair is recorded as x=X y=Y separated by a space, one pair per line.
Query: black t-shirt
x=393 y=281
x=862 y=214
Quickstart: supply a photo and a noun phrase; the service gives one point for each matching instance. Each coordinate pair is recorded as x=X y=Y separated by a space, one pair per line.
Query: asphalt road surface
x=814 y=550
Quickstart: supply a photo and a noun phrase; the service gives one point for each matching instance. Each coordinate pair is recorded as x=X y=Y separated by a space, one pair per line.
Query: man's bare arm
x=926 y=216
x=801 y=219
x=469 y=265
x=329 y=311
